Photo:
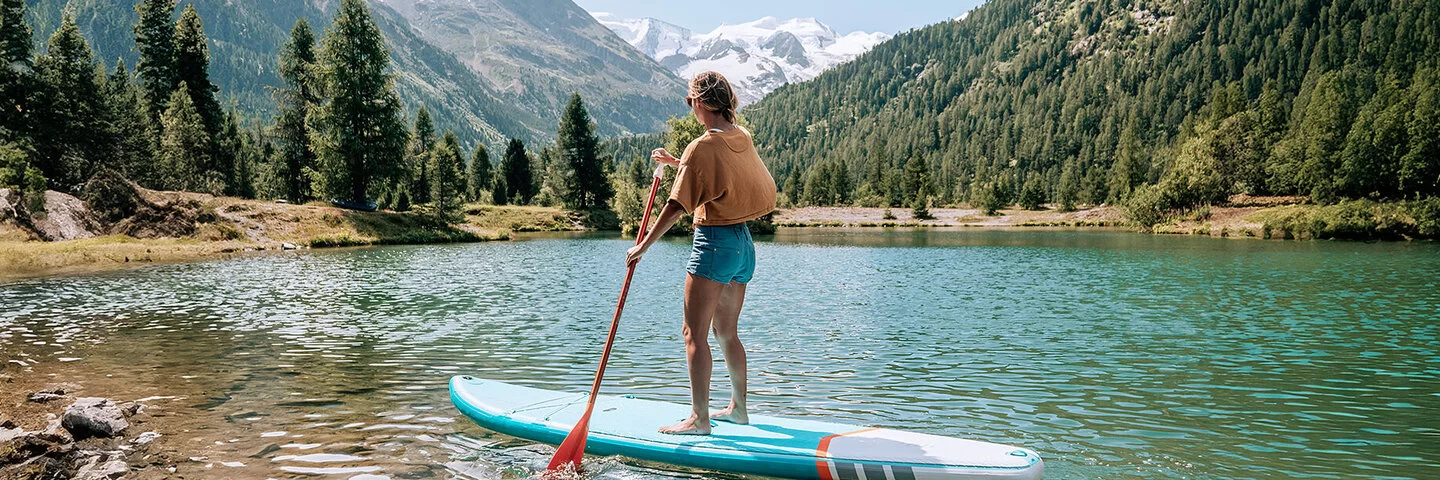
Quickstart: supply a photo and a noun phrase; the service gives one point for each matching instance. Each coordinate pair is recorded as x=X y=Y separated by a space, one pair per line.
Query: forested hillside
x=246 y=36
x=1087 y=102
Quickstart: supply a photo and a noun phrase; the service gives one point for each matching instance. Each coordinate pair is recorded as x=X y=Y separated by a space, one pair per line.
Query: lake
x=1112 y=354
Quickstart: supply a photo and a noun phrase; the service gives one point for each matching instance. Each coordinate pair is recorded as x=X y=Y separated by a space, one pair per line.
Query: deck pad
x=772 y=446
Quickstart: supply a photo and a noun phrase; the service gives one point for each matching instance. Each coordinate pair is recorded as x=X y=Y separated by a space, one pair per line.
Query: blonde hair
x=714 y=93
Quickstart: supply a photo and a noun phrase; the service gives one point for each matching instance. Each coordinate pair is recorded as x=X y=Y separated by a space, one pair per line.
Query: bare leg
x=726 y=325
x=701 y=297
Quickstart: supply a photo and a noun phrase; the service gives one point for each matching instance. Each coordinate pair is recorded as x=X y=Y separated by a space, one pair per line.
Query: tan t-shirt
x=722 y=180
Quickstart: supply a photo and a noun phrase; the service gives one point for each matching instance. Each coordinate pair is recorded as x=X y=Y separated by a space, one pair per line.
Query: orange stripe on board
x=823 y=451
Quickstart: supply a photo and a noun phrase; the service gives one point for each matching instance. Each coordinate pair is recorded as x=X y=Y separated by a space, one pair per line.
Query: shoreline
x=249 y=227
x=225 y=227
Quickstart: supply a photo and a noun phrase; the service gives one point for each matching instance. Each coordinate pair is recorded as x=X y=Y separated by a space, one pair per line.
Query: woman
x=722 y=181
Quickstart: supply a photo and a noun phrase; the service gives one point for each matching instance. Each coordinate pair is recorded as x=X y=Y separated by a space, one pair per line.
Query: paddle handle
x=625 y=287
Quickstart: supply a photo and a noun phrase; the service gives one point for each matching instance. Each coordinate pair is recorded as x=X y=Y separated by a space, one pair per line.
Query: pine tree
x=68 y=138
x=1128 y=171
x=417 y=156
x=1032 y=194
x=519 y=181
x=192 y=66
x=478 y=174
x=255 y=150
x=300 y=97
x=588 y=185
x=1420 y=166
x=792 y=187
x=362 y=139
x=917 y=173
x=185 y=147
x=130 y=125
x=499 y=192
x=155 y=40
x=1066 y=193
x=225 y=161
x=16 y=78
x=447 y=186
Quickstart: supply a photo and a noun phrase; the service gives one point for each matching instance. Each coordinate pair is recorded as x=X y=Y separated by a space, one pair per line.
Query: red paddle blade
x=572 y=450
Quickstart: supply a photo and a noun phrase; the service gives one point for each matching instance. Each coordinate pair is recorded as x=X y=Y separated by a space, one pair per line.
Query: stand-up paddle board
x=770 y=446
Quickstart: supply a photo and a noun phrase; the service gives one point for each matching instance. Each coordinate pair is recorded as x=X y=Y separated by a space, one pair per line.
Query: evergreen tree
x=1069 y=188
x=297 y=100
x=588 y=185
x=254 y=151
x=447 y=186
x=192 y=66
x=1032 y=194
x=917 y=173
x=15 y=78
x=1129 y=170
x=130 y=125
x=185 y=147
x=226 y=152
x=519 y=181
x=417 y=157
x=70 y=135
x=1419 y=170
x=791 y=187
x=155 y=40
x=840 y=184
x=361 y=143
x=478 y=174
x=499 y=192
x=920 y=207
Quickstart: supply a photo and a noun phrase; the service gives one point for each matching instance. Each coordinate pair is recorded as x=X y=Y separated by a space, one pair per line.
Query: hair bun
x=715 y=93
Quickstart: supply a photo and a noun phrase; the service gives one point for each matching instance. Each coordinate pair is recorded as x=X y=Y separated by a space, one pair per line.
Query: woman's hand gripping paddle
x=572 y=450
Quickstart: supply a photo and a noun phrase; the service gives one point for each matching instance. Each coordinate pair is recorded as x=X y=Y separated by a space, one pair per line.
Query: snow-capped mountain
x=757 y=57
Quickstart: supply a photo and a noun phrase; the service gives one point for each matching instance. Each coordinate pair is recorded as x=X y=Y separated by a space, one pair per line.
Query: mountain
x=757 y=57
x=536 y=52
x=1078 y=101
x=478 y=104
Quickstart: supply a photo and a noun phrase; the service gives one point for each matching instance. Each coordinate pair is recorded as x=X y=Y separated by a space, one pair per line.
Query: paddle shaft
x=572 y=450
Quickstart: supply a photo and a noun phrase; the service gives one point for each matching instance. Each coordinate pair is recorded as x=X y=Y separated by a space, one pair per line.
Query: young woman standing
x=724 y=184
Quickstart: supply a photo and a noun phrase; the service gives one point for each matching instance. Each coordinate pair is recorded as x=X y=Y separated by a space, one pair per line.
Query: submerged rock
x=95 y=470
x=91 y=416
x=146 y=438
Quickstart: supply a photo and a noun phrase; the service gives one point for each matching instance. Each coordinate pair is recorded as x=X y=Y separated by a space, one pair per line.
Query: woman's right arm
x=668 y=216
x=662 y=156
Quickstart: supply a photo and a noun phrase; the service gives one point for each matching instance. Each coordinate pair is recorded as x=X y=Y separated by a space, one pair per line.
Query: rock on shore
x=85 y=443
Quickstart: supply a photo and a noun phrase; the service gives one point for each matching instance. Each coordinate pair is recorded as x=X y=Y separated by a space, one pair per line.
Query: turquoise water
x=1113 y=355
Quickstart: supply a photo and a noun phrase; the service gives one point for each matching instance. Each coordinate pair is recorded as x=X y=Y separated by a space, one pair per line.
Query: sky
x=845 y=16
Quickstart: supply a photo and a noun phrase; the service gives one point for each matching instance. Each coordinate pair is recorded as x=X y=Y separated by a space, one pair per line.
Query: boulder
x=66 y=218
x=94 y=417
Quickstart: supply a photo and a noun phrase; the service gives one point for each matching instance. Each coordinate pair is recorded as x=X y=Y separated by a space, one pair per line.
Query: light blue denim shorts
x=725 y=254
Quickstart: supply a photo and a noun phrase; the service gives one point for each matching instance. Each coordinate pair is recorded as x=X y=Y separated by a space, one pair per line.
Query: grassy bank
x=231 y=226
x=946 y=217
x=1264 y=218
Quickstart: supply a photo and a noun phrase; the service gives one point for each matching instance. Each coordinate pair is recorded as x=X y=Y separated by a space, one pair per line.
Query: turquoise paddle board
x=769 y=446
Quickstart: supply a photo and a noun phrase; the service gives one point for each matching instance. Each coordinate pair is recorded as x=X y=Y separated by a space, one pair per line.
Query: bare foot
x=691 y=426
x=729 y=414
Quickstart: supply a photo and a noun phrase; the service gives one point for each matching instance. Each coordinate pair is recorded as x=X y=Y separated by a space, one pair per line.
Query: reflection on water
x=1113 y=355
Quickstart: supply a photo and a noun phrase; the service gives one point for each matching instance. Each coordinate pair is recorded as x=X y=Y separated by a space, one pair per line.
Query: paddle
x=572 y=450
